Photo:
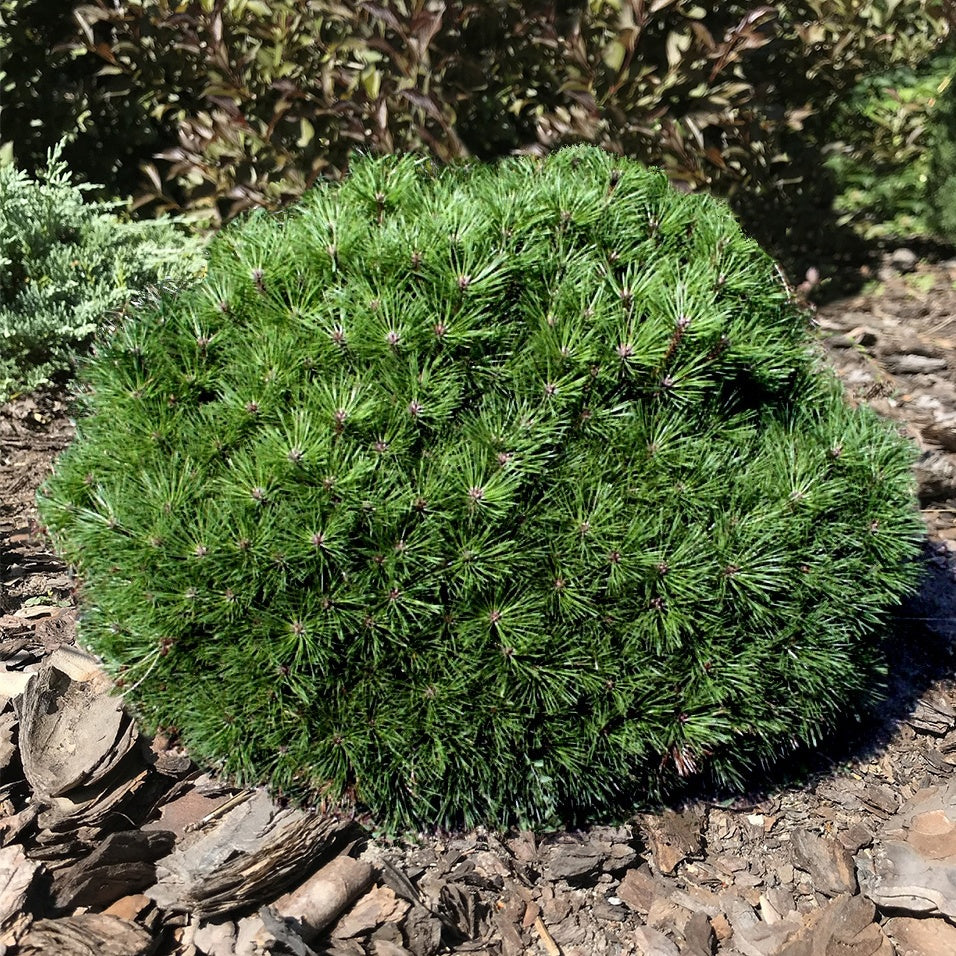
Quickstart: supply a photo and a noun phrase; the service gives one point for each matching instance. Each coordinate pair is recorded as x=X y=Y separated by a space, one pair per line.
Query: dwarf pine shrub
x=483 y=493
x=67 y=265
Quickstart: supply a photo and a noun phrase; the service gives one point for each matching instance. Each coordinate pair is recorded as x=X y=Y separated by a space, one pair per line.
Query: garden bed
x=148 y=854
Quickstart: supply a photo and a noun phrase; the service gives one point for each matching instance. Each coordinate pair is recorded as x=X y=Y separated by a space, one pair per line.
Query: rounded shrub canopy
x=483 y=494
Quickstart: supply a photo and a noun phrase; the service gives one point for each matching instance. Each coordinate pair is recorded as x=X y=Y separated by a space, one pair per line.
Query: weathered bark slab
x=215 y=939
x=673 y=836
x=87 y=934
x=123 y=863
x=912 y=864
x=73 y=731
x=376 y=908
x=828 y=862
x=921 y=937
x=845 y=925
x=247 y=856
x=72 y=826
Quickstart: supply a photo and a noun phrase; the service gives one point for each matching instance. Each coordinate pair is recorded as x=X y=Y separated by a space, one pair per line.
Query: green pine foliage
x=67 y=266
x=482 y=494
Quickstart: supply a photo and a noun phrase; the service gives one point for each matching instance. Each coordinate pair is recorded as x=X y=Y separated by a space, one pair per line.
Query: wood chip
x=16 y=879
x=547 y=940
x=378 y=906
x=674 y=836
x=320 y=899
x=86 y=934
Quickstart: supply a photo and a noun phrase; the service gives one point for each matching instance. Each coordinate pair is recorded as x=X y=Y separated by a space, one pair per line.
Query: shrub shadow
x=920 y=648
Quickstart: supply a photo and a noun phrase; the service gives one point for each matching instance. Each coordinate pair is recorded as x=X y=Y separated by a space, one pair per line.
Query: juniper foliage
x=67 y=266
x=484 y=493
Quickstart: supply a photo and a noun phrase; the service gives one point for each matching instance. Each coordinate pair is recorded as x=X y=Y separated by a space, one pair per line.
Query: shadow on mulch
x=843 y=260
x=920 y=648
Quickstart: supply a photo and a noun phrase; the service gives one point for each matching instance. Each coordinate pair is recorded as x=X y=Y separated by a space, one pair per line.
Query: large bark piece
x=73 y=732
x=247 y=856
x=73 y=826
x=911 y=867
x=87 y=934
x=122 y=864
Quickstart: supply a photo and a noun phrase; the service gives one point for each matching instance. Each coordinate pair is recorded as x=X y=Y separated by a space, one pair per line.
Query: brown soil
x=598 y=890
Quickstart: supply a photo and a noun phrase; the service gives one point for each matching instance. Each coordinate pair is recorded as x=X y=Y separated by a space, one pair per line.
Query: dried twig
x=547 y=940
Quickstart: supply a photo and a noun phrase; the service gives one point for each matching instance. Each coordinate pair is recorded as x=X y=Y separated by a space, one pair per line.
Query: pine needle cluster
x=483 y=493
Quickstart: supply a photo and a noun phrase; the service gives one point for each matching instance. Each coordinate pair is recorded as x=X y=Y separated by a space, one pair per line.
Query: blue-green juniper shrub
x=484 y=493
x=68 y=265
